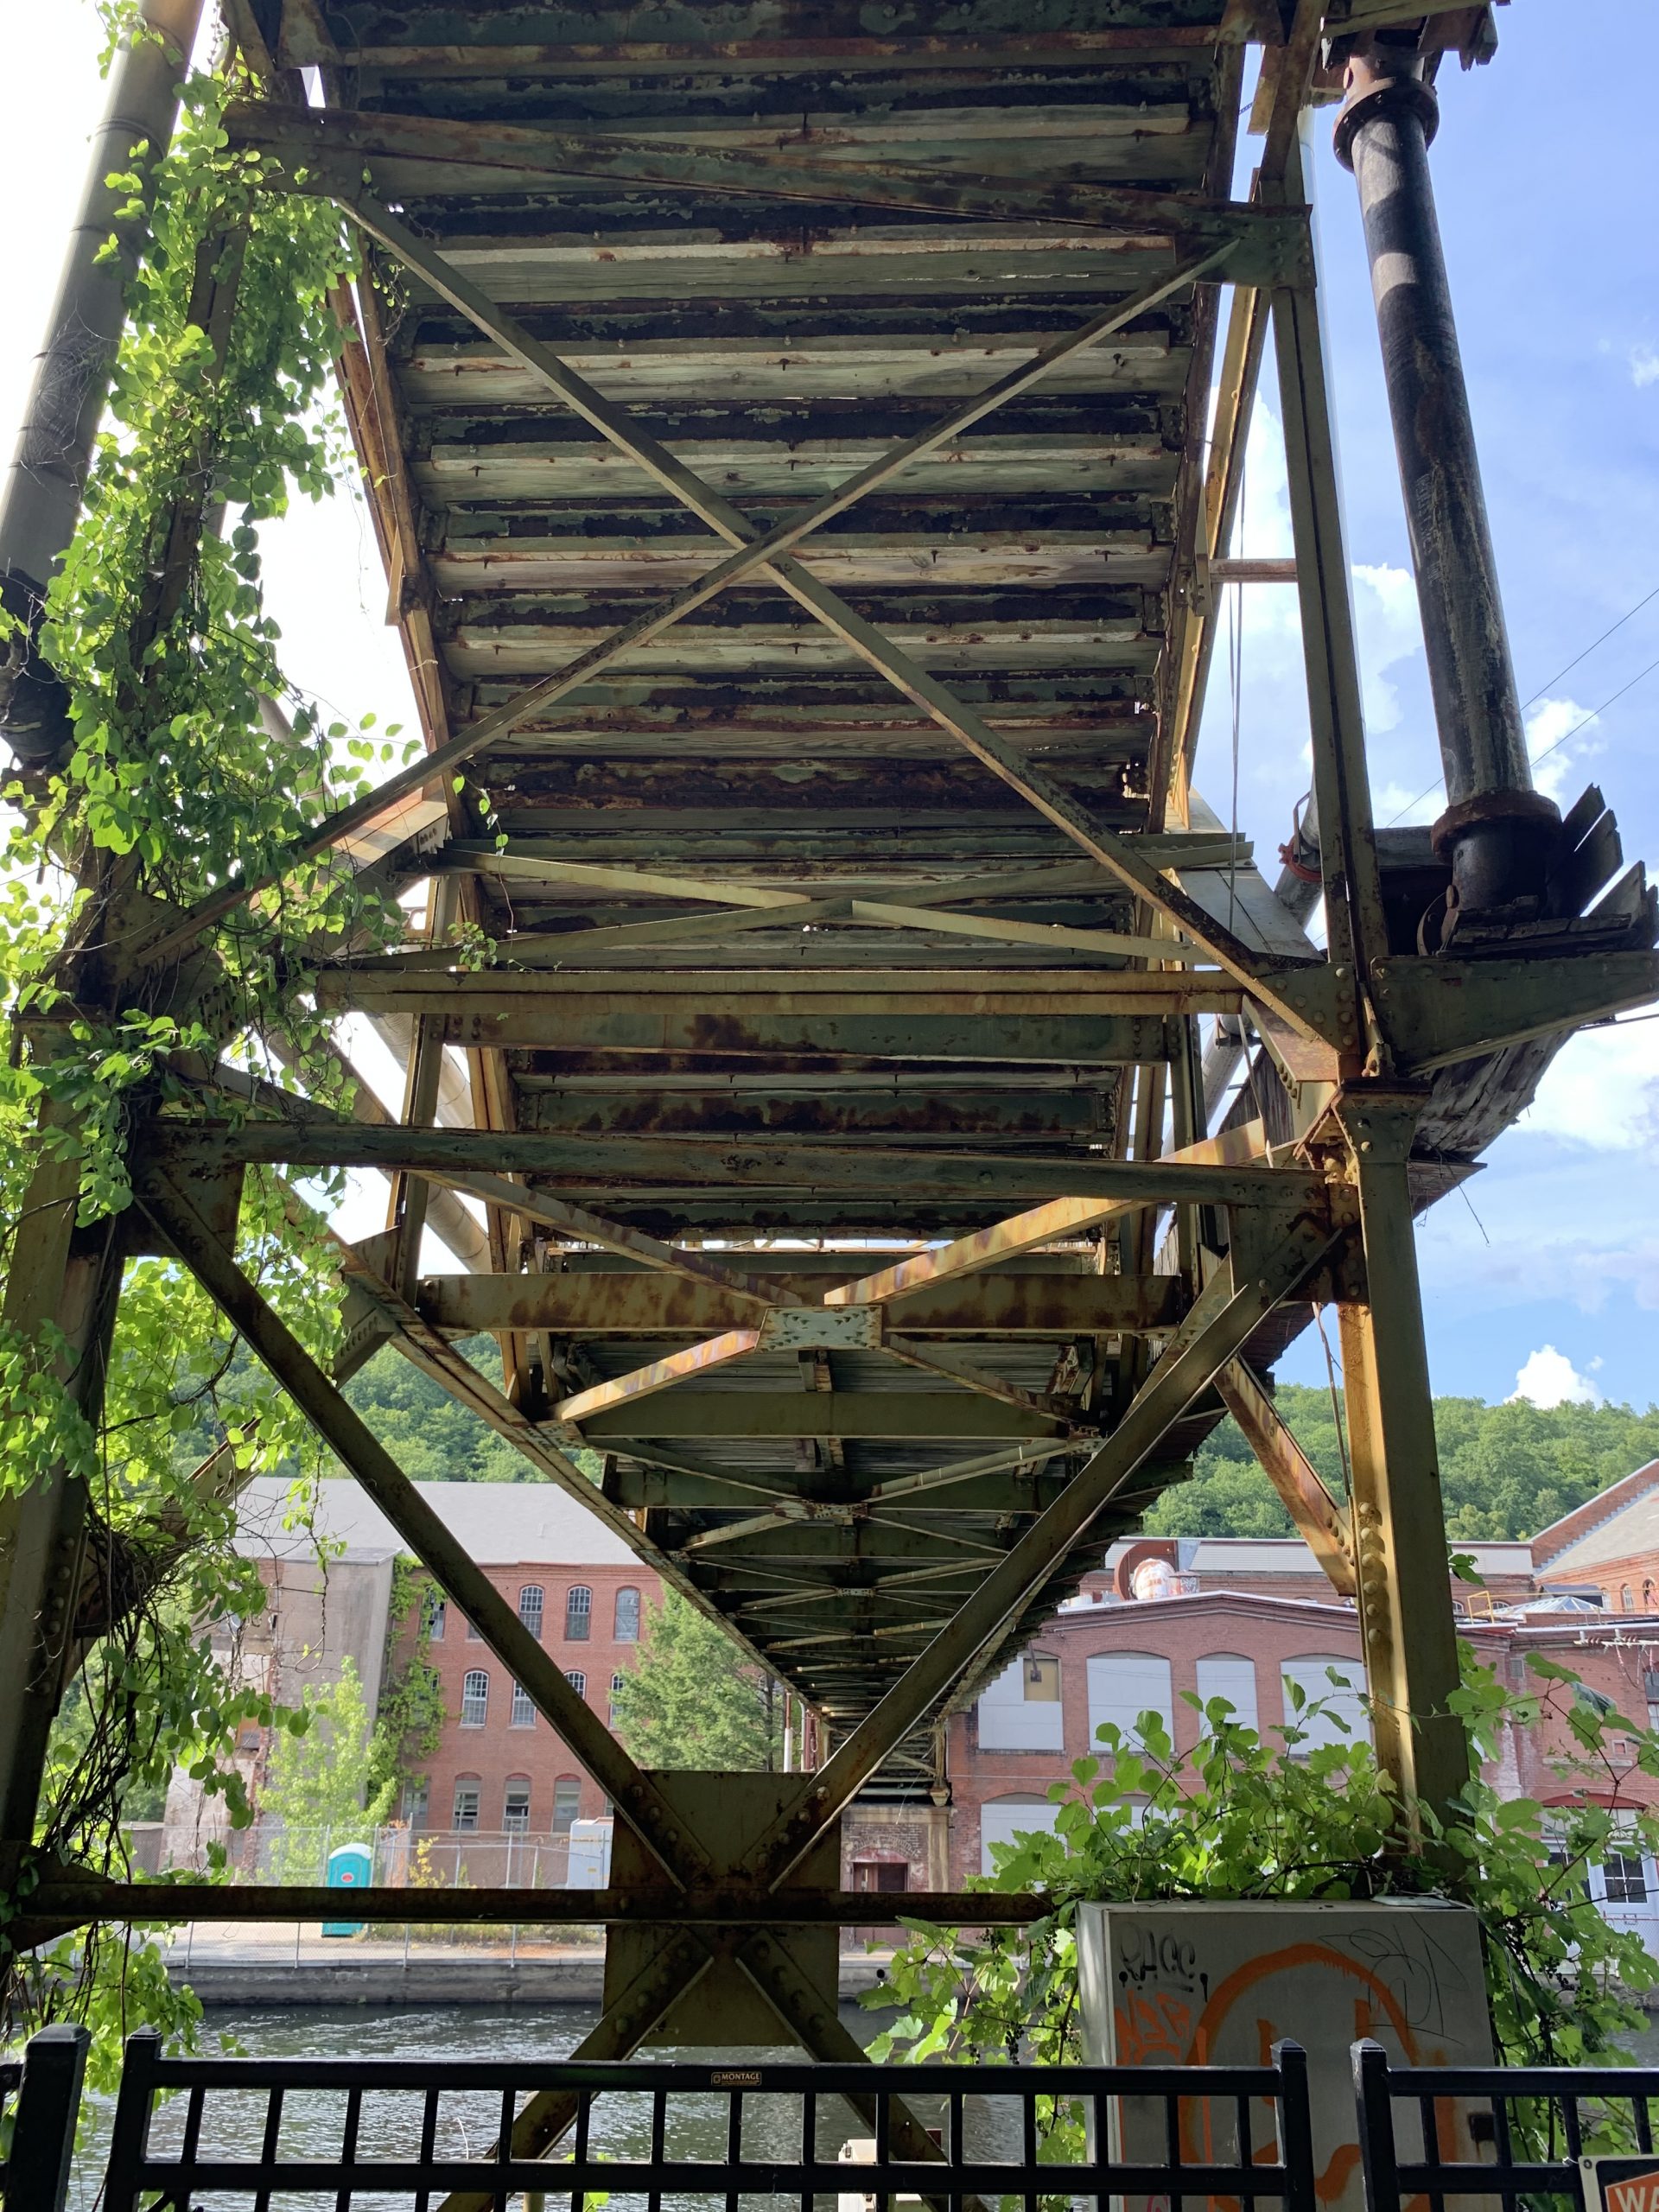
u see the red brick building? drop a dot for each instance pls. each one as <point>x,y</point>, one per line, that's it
<point>498,1769</point>
<point>1164,1621</point>
<point>1168,1622</point>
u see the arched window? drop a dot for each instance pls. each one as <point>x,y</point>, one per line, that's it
<point>532,1603</point>
<point>464,1813</point>
<point>566,1802</point>
<point>434,1613</point>
<point>1647,1597</point>
<point>515,1805</point>
<point>578,1682</point>
<point>1004,1820</point>
<point>524,1712</point>
<point>1625,1599</point>
<point>1122,1685</point>
<point>1224,1674</point>
<point>617,1682</point>
<point>578,1613</point>
<point>474,1699</point>
<point>1020,1710</point>
<point>1345,1718</point>
<point>627,1617</point>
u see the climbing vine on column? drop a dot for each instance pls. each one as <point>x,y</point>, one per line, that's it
<point>192,765</point>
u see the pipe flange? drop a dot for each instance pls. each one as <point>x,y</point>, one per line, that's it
<point>1370,97</point>
<point>1490,806</point>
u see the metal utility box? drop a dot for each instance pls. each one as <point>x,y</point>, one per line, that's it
<point>1195,1984</point>
<point>350,1867</point>
<point>589,1866</point>
<point>726,1812</point>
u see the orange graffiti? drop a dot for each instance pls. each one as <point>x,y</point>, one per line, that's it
<point>1152,2029</point>
<point>1376,1998</point>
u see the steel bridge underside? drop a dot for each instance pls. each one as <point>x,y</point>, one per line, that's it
<point>860,911</point>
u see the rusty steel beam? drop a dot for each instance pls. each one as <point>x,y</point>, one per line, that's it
<point>584,1228</point>
<point>1046,1224</point>
<point>940,1416</point>
<point>203,1147</point>
<point>71,1898</point>
<point>1318,1518</point>
<point>333,145</point>
<point>1050,1307</point>
<point>625,1392</point>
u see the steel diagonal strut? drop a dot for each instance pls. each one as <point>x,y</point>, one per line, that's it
<point>754,554</point>
<point>659,1828</point>
<point>1219,1325</point>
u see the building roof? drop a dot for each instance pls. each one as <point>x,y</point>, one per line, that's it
<point>1619,1524</point>
<point>501,1525</point>
<point>1227,1555</point>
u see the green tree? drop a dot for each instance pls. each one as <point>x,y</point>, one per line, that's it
<point>1244,1817</point>
<point>323,1783</point>
<point>693,1701</point>
<point>1507,1470</point>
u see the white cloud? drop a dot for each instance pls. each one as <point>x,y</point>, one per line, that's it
<point>1387,632</point>
<point>1392,802</point>
<point>1548,722</point>
<point>1645,365</point>
<point>1601,1092</point>
<point>1548,1378</point>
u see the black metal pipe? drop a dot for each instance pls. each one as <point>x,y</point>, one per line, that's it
<point>40,495</point>
<point>1496,830</point>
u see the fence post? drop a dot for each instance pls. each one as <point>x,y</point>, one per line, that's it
<point>1379,2162</point>
<point>131,2129</point>
<point>1294,2119</point>
<point>43,2133</point>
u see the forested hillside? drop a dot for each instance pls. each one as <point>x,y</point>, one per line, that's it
<point>1508,1470</point>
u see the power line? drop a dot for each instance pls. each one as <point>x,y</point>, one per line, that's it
<point>1589,649</point>
<point>1594,713</point>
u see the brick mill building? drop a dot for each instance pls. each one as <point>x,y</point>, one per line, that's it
<point>498,1769</point>
<point>1164,1619</point>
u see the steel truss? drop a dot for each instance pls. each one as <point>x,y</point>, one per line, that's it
<point>732,1033</point>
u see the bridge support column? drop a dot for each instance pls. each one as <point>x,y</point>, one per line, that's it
<point>1398,1516</point>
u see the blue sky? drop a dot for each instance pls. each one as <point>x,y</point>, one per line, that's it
<point>1543,169</point>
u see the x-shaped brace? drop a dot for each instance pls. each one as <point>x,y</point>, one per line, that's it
<point>1302,994</point>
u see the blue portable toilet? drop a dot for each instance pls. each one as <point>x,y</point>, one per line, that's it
<point>349,1868</point>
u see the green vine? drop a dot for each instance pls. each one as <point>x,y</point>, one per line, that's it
<point>409,1726</point>
<point>179,780</point>
<point>1243,1818</point>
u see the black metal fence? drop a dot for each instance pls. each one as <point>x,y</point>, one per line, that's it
<point>191,2135</point>
<point>40,2103</point>
<point>766,2134</point>
<point>1528,2136</point>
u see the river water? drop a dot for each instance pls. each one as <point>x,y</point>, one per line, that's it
<point>232,2121</point>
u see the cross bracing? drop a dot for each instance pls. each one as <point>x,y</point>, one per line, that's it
<point>788,447</point>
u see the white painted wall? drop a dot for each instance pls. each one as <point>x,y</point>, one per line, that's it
<point>1122,1685</point>
<point>1004,1818</point>
<point>1224,1673</point>
<point>1344,1699</point>
<point>1009,1722</point>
